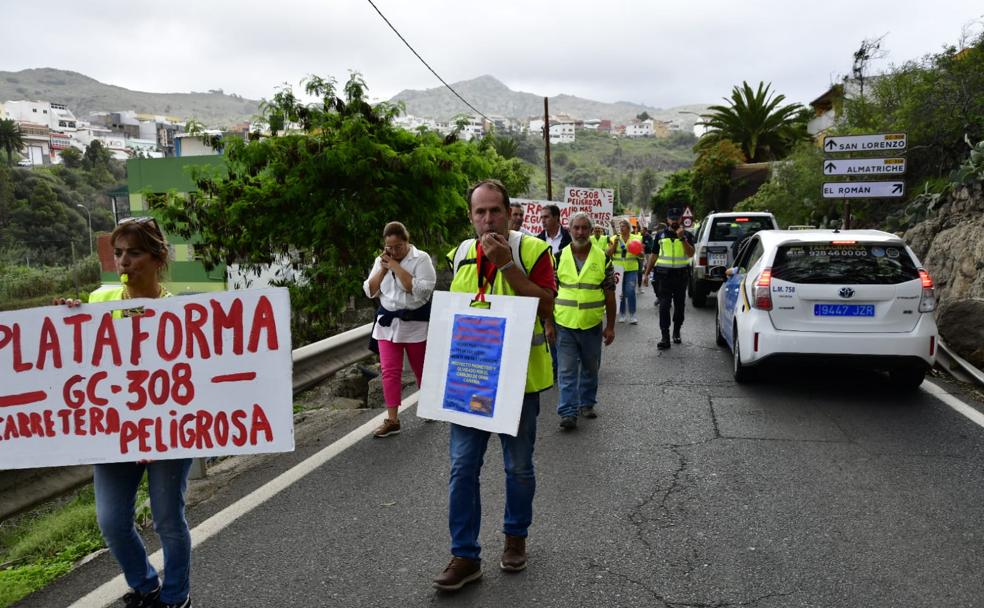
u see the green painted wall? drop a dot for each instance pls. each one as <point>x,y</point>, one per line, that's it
<point>167,175</point>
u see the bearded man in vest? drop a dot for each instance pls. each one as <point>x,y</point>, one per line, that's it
<point>502,262</point>
<point>672,251</point>
<point>585,295</point>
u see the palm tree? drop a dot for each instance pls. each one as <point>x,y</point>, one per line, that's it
<point>756,122</point>
<point>10,138</point>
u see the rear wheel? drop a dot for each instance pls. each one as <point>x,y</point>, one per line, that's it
<point>742,372</point>
<point>906,379</point>
<point>699,297</point>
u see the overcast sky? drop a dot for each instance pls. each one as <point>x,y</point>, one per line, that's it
<point>659,52</point>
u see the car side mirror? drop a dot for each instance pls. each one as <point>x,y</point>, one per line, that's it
<point>729,272</point>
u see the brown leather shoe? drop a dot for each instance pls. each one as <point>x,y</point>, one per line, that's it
<point>514,554</point>
<point>387,428</point>
<point>460,572</point>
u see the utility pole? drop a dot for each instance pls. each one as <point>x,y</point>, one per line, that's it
<point>75,269</point>
<point>546,142</point>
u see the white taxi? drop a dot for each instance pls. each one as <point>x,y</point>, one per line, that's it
<point>857,296</point>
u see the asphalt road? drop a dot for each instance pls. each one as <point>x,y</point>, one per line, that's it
<point>813,488</point>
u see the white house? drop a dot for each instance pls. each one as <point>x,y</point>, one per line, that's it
<point>55,116</point>
<point>643,128</point>
<point>561,129</point>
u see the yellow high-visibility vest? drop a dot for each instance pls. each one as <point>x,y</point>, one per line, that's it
<point>622,257</point>
<point>672,254</point>
<point>580,302</point>
<point>527,250</point>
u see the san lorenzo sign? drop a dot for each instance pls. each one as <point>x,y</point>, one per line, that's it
<point>882,142</point>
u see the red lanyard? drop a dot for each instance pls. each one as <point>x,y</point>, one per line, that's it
<point>480,297</point>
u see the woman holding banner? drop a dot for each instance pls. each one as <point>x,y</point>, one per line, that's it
<point>141,255</point>
<point>403,279</point>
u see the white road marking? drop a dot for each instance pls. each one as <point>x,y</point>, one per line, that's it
<point>113,590</point>
<point>961,407</point>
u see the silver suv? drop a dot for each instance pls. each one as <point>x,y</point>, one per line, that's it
<point>718,240</point>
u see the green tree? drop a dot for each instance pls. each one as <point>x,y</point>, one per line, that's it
<point>71,157</point>
<point>320,195</point>
<point>711,179</point>
<point>11,138</point>
<point>648,181</point>
<point>96,156</point>
<point>643,116</point>
<point>676,192</point>
<point>792,193</point>
<point>756,121</point>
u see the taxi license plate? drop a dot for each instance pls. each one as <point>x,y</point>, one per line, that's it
<point>844,310</point>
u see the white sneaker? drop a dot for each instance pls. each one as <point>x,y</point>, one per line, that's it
<point>634,320</point>
<point>621,318</point>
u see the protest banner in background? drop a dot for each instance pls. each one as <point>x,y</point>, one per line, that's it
<point>475,368</point>
<point>203,375</point>
<point>599,203</point>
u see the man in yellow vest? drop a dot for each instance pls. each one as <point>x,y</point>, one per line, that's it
<point>585,295</point>
<point>599,238</point>
<point>630,263</point>
<point>672,251</point>
<point>500,262</point>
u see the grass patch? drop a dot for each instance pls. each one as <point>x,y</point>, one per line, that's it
<point>38,547</point>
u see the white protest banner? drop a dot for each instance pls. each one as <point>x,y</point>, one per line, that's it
<point>619,278</point>
<point>599,203</point>
<point>531,213</point>
<point>203,375</point>
<point>475,369</point>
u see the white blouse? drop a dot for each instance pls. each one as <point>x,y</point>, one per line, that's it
<point>392,296</point>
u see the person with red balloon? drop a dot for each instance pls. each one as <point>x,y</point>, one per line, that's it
<point>626,251</point>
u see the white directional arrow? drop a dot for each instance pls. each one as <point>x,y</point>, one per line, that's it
<point>863,189</point>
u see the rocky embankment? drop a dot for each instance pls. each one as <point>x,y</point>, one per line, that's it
<point>951,245</point>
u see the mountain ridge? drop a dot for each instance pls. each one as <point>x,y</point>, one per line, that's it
<point>84,94</point>
<point>494,97</point>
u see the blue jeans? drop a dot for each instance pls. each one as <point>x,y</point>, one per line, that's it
<point>629,280</point>
<point>116,492</point>
<point>579,351</point>
<point>465,498</point>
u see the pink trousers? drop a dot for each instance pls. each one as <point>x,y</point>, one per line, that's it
<point>391,362</point>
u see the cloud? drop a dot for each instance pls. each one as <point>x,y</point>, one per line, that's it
<point>661,53</point>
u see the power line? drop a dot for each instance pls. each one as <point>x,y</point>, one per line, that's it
<point>450,88</point>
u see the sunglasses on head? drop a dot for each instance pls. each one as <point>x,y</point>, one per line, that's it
<point>140,221</point>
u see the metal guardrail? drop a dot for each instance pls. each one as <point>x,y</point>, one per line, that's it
<point>957,366</point>
<point>21,489</point>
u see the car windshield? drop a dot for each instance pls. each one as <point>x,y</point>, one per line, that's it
<point>874,264</point>
<point>737,228</point>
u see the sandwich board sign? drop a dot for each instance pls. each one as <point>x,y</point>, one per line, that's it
<point>863,189</point>
<point>880,142</point>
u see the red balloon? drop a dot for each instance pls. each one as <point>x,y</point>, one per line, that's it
<point>634,247</point>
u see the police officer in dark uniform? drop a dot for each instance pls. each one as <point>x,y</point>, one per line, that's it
<point>672,250</point>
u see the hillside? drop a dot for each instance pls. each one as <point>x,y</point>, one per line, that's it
<point>493,97</point>
<point>84,95</point>
<point>634,167</point>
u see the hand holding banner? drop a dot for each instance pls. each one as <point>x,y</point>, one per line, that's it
<point>201,375</point>
<point>475,369</point>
